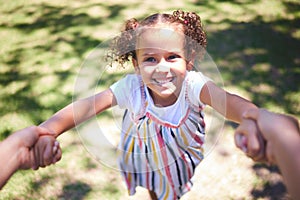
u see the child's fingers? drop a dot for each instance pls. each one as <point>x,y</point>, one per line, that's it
<point>57,156</point>
<point>253,145</point>
<point>55,147</point>
<point>56,152</point>
<point>48,154</point>
<point>256,147</point>
<point>252,142</point>
<point>241,141</point>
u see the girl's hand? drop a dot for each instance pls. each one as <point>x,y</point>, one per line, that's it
<point>249,140</point>
<point>45,152</point>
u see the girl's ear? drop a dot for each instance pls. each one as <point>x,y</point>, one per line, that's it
<point>190,62</point>
<point>190,65</point>
<point>136,66</point>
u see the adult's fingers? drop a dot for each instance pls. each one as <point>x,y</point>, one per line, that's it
<point>251,114</point>
<point>43,131</point>
<point>269,154</point>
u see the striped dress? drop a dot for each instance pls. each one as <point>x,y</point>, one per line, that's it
<point>160,147</point>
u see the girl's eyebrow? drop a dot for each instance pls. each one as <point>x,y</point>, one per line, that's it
<point>147,54</point>
<point>153,53</point>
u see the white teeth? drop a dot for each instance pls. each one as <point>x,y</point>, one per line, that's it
<point>163,81</point>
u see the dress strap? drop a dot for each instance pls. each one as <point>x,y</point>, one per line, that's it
<point>142,110</point>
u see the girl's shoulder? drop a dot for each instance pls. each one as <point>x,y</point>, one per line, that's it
<point>132,80</point>
<point>128,82</point>
<point>194,84</point>
<point>127,90</point>
<point>197,77</point>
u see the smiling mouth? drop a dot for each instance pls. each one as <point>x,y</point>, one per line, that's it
<point>163,81</point>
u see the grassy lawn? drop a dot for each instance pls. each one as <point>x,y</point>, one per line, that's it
<point>255,44</point>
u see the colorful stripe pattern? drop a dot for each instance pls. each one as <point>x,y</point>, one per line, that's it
<point>160,157</point>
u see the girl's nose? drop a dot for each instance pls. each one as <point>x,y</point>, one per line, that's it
<point>162,67</point>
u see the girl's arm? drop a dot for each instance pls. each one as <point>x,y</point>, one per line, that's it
<point>79,111</point>
<point>233,107</point>
<point>229,105</point>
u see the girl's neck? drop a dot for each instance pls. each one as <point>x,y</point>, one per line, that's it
<point>162,102</point>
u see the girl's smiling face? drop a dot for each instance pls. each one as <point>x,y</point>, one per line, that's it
<point>160,60</point>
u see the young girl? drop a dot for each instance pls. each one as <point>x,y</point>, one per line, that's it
<point>163,125</point>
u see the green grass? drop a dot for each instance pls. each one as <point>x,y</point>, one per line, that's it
<point>255,45</point>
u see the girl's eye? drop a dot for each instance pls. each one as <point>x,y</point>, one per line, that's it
<point>171,57</point>
<point>150,59</point>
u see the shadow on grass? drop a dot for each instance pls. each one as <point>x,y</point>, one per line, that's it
<point>76,190</point>
<point>272,187</point>
<point>261,60</point>
<point>66,26</point>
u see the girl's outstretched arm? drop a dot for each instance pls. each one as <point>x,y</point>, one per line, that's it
<point>79,111</point>
<point>229,105</point>
<point>233,107</point>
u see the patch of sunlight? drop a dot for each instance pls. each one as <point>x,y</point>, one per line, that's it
<point>228,11</point>
<point>137,13</point>
<point>68,64</point>
<point>60,3</point>
<point>269,10</point>
<point>239,91</point>
<point>163,5</point>
<point>9,38</point>
<point>49,99</point>
<point>45,83</point>
<point>294,99</point>
<point>263,88</point>
<point>274,107</point>
<point>217,27</point>
<point>64,47</point>
<point>68,88</point>
<point>261,67</point>
<point>4,68</point>
<point>14,87</point>
<point>297,62</point>
<point>7,6</point>
<point>296,34</point>
<point>98,12</point>
<point>14,121</point>
<point>255,51</point>
<point>282,29</point>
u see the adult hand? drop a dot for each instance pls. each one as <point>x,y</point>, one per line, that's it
<point>25,141</point>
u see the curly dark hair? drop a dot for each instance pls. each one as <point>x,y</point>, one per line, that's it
<point>123,47</point>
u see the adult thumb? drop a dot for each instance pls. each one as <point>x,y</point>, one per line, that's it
<point>41,131</point>
<point>251,114</point>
